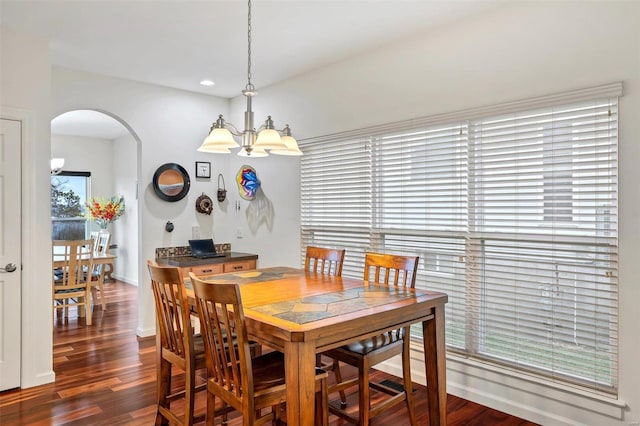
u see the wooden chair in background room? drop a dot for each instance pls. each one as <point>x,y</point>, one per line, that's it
<point>71,283</point>
<point>327,261</point>
<point>324,260</point>
<point>176,345</point>
<point>248,385</point>
<point>100,247</point>
<point>387,270</point>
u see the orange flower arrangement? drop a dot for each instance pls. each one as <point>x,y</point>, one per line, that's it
<point>103,211</point>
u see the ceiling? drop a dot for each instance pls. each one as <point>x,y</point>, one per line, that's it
<point>178,43</point>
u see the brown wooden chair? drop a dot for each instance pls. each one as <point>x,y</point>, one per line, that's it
<point>248,385</point>
<point>176,346</point>
<point>324,260</point>
<point>71,283</point>
<point>387,270</point>
<point>327,261</point>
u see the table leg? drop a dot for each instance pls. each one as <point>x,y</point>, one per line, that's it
<point>300,364</point>
<point>435,366</point>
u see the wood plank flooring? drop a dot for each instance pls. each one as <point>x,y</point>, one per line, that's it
<point>106,376</point>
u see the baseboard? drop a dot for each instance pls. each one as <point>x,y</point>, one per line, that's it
<point>522,397</point>
<point>145,332</point>
<point>125,280</point>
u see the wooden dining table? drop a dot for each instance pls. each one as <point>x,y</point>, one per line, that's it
<point>98,259</point>
<point>303,313</point>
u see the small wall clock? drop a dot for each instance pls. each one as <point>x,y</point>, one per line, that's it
<point>203,169</point>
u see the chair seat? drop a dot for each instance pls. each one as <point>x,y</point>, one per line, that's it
<point>371,344</point>
<point>268,370</point>
<point>69,290</point>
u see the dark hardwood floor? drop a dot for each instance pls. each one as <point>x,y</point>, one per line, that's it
<point>106,376</point>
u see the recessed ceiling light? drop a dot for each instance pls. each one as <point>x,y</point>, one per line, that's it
<point>207,83</point>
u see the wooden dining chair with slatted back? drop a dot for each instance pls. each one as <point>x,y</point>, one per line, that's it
<point>327,261</point>
<point>100,247</point>
<point>71,284</point>
<point>324,260</point>
<point>384,270</point>
<point>248,385</point>
<point>176,346</point>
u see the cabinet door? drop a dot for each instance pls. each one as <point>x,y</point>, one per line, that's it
<point>207,269</point>
<point>239,266</point>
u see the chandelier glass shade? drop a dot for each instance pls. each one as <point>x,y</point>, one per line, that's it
<point>255,143</point>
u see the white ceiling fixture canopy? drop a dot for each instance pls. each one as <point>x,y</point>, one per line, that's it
<point>254,142</point>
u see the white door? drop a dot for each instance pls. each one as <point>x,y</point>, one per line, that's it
<point>10,253</point>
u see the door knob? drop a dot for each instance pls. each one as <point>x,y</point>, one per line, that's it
<point>9,267</point>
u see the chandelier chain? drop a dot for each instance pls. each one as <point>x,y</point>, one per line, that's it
<point>249,85</point>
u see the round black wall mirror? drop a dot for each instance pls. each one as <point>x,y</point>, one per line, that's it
<point>171,182</point>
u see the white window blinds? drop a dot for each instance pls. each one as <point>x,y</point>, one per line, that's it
<point>513,215</point>
<point>542,247</point>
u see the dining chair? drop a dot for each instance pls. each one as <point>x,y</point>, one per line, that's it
<point>176,346</point>
<point>327,261</point>
<point>248,385</point>
<point>71,284</point>
<point>324,260</point>
<point>100,247</point>
<point>385,270</point>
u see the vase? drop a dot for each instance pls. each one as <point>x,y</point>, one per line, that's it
<point>103,225</point>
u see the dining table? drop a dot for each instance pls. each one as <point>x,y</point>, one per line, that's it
<point>98,259</point>
<point>302,313</point>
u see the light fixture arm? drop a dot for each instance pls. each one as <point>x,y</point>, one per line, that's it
<point>221,123</point>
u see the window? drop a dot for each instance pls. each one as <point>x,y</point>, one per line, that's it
<point>69,191</point>
<point>513,215</point>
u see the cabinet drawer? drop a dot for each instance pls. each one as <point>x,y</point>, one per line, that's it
<point>239,266</point>
<point>207,269</point>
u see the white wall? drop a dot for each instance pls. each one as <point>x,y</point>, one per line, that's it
<point>519,51</point>
<point>25,78</point>
<point>124,177</point>
<point>84,154</point>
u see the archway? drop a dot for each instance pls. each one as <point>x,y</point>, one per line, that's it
<point>103,146</point>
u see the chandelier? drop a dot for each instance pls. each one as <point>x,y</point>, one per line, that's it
<point>254,142</point>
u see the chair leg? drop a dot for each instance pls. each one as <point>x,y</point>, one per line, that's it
<point>211,409</point>
<point>87,305</point>
<point>338,373</point>
<point>408,384</point>
<point>189,394</point>
<point>163,388</point>
<point>101,288</point>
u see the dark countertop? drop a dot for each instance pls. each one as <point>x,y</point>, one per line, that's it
<point>187,261</point>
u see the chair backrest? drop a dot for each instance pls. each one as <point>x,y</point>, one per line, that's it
<point>390,268</point>
<point>102,240</point>
<point>172,310</point>
<point>324,260</point>
<point>220,310</point>
<point>74,258</point>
